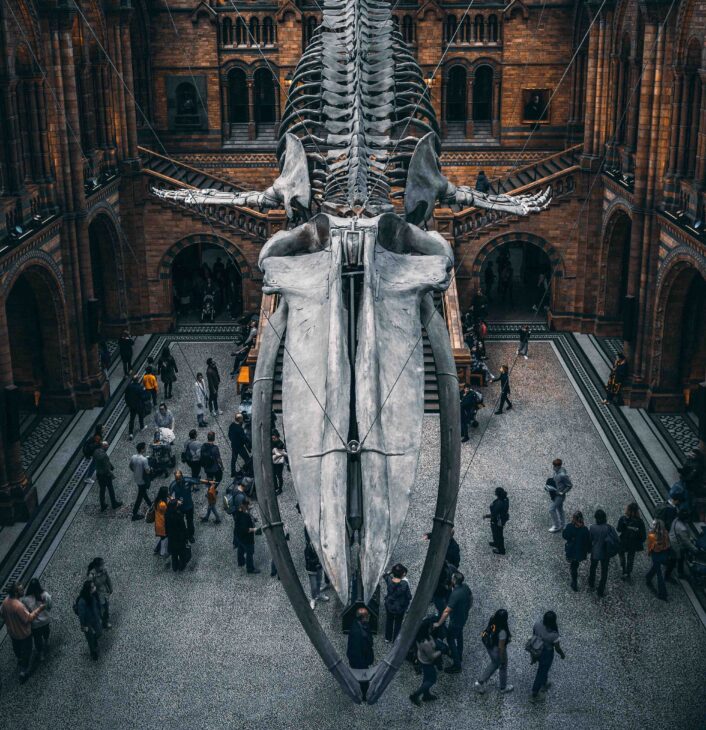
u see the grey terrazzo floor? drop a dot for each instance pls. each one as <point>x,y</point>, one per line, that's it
<point>213,648</point>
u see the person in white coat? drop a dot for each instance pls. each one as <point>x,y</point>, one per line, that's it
<point>201,399</point>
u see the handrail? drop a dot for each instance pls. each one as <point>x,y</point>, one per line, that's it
<point>516,171</point>
<point>196,170</point>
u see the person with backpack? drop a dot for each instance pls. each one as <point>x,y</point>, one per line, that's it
<point>140,468</point>
<point>542,645</point>
<point>429,651</point>
<point>499,515</point>
<point>682,544</point>
<point>314,570</point>
<point>495,639</point>
<point>632,533</point>
<point>97,573</point>
<point>577,547</point>
<point>558,486</point>
<point>191,455</point>
<point>659,549</point>
<point>397,600</point>
<point>87,608</point>
<point>211,497</point>
<point>605,544</point>
<point>211,459</point>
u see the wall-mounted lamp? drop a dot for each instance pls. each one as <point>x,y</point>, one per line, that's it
<point>288,79</point>
<point>429,80</point>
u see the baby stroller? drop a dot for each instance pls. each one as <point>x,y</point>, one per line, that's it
<point>208,308</point>
<point>161,459</point>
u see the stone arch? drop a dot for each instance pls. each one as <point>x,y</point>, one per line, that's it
<point>614,263</point>
<point>554,256</point>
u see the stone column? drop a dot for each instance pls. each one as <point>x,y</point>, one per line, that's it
<point>588,150</point>
<point>683,126</point>
<point>252,129</point>
<point>670,183</point>
<point>469,105</point>
<point>689,161</point>
<point>601,78</point>
<point>495,126</point>
<point>15,173</point>
<point>700,172</point>
<point>126,70</point>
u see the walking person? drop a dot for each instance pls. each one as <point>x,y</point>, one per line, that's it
<point>315,572</point>
<point>681,543</point>
<point>504,379</point>
<point>457,610</point>
<point>182,489</point>
<point>34,597</point>
<point>240,445</point>
<point>104,475</point>
<point>633,533</point>
<point>214,380</point>
<point>495,639</point>
<point>279,460</point>
<point>659,549</point>
<point>211,498</point>
<point>605,544</point>
<point>87,607</point>
<point>577,547</point>
<point>524,341</point>
<point>546,631</point>
<point>135,402</point>
<point>245,527</point>
<point>149,381</point>
<point>558,486</point>
<point>211,459</point>
<point>160,528</point>
<point>140,468</point>
<point>200,399</point>
<point>177,536</point>
<point>191,455</point>
<point>18,623</point>
<point>125,348</point>
<point>167,369</point>
<point>397,600</point>
<point>429,651</point>
<point>616,380</point>
<point>98,575</point>
<point>499,515</point>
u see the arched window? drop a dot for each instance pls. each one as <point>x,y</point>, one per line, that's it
<point>493,28</point>
<point>268,32</point>
<point>478,29</point>
<point>451,25</point>
<point>265,111</point>
<point>622,90</point>
<point>465,35</point>
<point>483,94</point>
<point>456,95</point>
<point>692,107</point>
<point>187,106</point>
<point>241,33</point>
<point>237,96</point>
<point>408,29</point>
<point>227,32</point>
<point>309,30</point>
<point>254,31</point>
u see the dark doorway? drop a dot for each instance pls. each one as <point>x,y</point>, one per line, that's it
<point>265,109</point>
<point>483,94</point>
<point>456,95</point>
<point>104,274</point>
<point>237,97</point>
<point>616,269</point>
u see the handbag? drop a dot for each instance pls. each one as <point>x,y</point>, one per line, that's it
<point>184,457</point>
<point>534,645</point>
<point>149,515</point>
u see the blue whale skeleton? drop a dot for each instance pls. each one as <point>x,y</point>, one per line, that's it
<point>355,279</point>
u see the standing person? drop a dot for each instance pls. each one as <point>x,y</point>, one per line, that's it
<point>682,544</point>
<point>360,641</point>
<point>34,597</point>
<point>524,340</point>
<point>470,403</point>
<point>177,535</point>
<point>167,369</point>
<point>18,622</point>
<point>504,379</point>
<point>547,630</point>
<point>397,600</point>
<point>135,402</point>
<point>658,548</point>
<point>163,417</point>
<point>160,528</point>
<point>181,489</point>
<point>149,381</point>
<point>616,380</point>
<point>605,544</point>
<point>495,638</point>
<point>632,533</point>
<point>558,486</point>
<point>104,475</point>
<point>239,443</point>
<point>211,498</point>
<point>239,497</point>
<point>315,572</point>
<point>499,515</point>
<point>214,380</point>
<point>125,347</point>
<point>211,459</point>
<point>200,399</point>
<point>457,610</point>
<point>98,575</point>
<point>87,607</point>
<point>577,547</point>
<point>429,652</point>
<point>191,455</point>
<point>140,468</point>
<point>245,527</point>
<point>279,460</point>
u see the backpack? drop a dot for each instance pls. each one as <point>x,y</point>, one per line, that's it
<point>667,513</point>
<point>535,646</point>
<point>207,460</point>
<point>489,636</point>
<point>612,544</point>
<point>88,448</point>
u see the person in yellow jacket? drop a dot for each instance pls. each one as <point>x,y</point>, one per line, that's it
<point>149,380</point>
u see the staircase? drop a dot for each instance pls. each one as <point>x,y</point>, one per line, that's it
<point>167,173</point>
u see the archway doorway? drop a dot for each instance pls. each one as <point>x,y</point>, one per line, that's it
<point>516,277</point>
<point>202,271</point>
<point>684,339</point>
<point>237,98</point>
<point>483,94</point>
<point>34,335</point>
<point>617,266</point>
<point>456,95</point>
<point>265,101</point>
<point>103,243</point>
